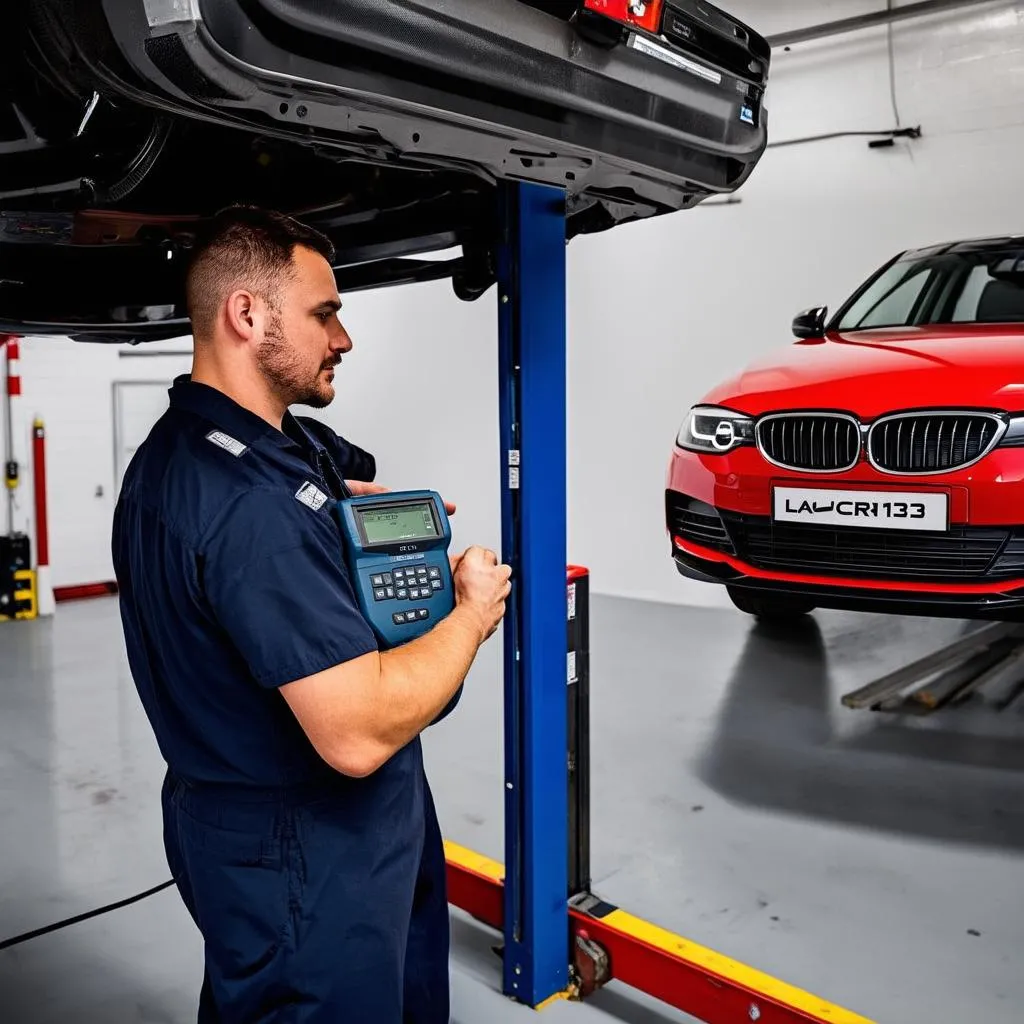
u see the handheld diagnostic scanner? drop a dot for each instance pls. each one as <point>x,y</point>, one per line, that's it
<point>396,546</point>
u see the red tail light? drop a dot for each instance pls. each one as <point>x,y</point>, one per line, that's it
<point>645,14</point>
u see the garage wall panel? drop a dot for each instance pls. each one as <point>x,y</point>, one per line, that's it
<point>71,386</point>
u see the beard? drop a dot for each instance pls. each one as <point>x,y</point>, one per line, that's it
<point>289,377</point>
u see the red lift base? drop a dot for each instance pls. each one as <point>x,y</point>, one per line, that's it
<point>680,973</point>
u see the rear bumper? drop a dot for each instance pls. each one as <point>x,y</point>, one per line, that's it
<point>493,84</point>
<point>443,101</point>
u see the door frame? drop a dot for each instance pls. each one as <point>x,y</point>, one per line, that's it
<point>117,390</point>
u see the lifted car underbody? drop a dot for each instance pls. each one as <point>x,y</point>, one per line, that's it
<point>388,124</point>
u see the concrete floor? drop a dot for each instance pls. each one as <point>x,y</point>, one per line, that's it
<point>875,861</point>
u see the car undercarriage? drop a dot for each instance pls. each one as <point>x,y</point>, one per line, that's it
<point>122,124</point>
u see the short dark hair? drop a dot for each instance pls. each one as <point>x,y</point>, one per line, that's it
<point>243,247</point>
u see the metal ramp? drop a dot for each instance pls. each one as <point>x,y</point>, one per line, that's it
<point>988,665</point>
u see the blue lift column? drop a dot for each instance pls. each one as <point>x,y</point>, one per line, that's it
<point>532,401</point>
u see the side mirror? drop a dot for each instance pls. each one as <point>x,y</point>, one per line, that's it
<point>811,323</point>
<point>1009,269</point>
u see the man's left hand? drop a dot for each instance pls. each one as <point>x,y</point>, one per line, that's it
<point>363,487</point>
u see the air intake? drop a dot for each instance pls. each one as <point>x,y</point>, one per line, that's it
<point>811,442</point>
<point>932,442</point>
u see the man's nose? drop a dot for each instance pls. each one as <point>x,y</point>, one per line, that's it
<point>340,340</point>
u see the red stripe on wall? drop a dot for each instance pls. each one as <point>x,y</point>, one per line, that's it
<point>78,591</point>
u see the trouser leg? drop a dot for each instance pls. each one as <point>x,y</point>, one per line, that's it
<point>427,988</point>
<point>172,848</point>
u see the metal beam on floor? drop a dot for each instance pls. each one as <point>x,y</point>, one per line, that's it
<point>682,974</point>
<point>949,675</point>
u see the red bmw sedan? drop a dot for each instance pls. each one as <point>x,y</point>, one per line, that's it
<point>877,464</point>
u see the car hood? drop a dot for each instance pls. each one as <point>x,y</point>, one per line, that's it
<point>873,372</point>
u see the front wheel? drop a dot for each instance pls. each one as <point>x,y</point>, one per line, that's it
<point>770,607</point>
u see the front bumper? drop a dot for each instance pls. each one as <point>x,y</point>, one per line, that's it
<point>1000,603</point>
<point>718,516</point>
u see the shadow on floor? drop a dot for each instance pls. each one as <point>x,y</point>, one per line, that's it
<point>955,775</point>
<point>86,981</point>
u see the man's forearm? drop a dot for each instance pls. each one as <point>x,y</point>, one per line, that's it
<point>421,677</point>
<point>360,713</point>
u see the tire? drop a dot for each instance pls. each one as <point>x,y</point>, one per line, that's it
<point>770,607</point>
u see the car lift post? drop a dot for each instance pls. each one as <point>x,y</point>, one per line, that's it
<point>560,939</point>
<point>532,403</point>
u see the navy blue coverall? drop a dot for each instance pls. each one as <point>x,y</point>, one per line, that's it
<point>321,898</point>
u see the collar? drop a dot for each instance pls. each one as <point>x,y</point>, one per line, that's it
<point>236,420</point>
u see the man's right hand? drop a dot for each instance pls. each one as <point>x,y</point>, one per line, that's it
<point>481,587</point>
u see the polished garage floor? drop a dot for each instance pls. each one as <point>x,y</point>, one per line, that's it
<point>876,861</point>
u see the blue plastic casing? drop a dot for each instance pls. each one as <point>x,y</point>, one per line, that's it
<point>402,576</point>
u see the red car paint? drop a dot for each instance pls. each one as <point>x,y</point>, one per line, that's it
<point>626,11</point>
<point>867,373</point>
<point>875,372</point>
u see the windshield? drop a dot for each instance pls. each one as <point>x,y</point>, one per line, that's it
<point>982,287</point>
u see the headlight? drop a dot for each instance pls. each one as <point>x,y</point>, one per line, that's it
<point>714,430</point>
<point>1014,436</point>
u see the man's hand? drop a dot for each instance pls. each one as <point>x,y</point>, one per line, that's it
<point>481,587</point>
<point>363,487</point>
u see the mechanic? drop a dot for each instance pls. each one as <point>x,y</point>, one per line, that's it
<point>298,822</point>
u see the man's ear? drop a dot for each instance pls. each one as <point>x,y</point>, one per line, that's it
<point>242,314</point>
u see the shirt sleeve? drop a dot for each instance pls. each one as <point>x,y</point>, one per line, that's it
<point>274,574</point>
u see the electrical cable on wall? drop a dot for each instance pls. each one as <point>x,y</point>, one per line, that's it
<point>883,138</point>
<point>892,70</point>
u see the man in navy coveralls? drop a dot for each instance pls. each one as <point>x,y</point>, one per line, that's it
<point>298,822</point>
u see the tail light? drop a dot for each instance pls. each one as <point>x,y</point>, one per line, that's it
<point>643,14</point>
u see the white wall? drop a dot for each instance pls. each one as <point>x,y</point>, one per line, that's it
<point>70,386</point>
<point>706,291</point>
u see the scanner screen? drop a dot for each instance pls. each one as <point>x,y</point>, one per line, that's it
<point>393,524</point>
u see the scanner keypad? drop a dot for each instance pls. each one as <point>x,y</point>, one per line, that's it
<point>412,615</point>
<point>412,584</point>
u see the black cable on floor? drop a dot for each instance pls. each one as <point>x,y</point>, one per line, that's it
<point>17,939</point>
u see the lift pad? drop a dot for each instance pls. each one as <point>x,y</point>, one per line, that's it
<point>680,973</point>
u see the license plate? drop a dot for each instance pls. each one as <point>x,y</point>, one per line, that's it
<point>886,510</point>
<point>652,49</point>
